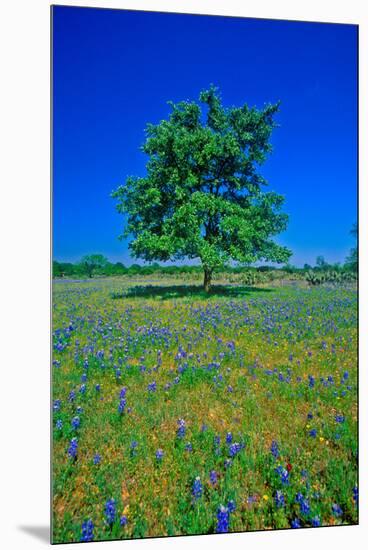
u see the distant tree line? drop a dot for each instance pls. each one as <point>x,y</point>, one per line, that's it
<point>97,265</point>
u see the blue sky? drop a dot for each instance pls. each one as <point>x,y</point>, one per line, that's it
<point>115,70</point>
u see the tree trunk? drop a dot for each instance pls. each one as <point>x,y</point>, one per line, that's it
<point>207,280</point>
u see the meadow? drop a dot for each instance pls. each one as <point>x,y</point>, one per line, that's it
<point>178,413</point>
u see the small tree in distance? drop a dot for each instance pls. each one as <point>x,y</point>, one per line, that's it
<point>351,261</point>
<point>202,196</point>
<point>91,262</point>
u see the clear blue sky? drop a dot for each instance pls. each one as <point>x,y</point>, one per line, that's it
<point>115,70</point>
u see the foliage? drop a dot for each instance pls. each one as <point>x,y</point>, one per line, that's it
<point>91,263</point>
<point>351,261</point>
<point>202,196</point>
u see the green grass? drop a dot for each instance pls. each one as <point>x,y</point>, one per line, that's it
<point>239,361</point>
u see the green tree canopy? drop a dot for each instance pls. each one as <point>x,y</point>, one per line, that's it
<point>92,262</point>
<point>351,261</point>
<point>202,196</point>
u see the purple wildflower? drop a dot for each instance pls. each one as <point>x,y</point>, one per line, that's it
<point>213,477</point>
<point>87,531</point>
<point>73,448</point>
<point>110,511</point>
<point>223,520</point>
<point>181,428</point>
<point>75,422</point>
<point>231,506</point>
<point>197,488</point>
<point>59,424</point>
<point>123,521</point>
<point>316,522</point>
<point>275,449</point>
<point>152,387</point>
<point>336,510</point>
<point>279,499</point>
<point>159,454</point>
<point>122,405</point>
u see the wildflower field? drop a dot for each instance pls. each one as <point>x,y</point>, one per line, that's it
<point>178,413</point>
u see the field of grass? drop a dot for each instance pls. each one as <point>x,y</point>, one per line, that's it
<point>177,413</point>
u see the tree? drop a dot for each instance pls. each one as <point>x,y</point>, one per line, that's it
<point>91,262</point>
<point>351,261</point>
<point>321,262</point>
<point>202,196</point>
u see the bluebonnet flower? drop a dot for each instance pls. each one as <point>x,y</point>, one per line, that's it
<point>336,510</point>
<point>110,511</point>
<point>295,523</point>
<point>313,433</point>
<point>159,454</point>
<point>197,488</point>
<point>228,462</point>
<point>123,521</point>
<point>71,396</point>
<point>59,424</point>
<point>304,506</point>
<point>87,531</point>
<point>97,459</point>
<point>84,377</point>
<point>275,449</point>
<point>311,381</point>
<point>213,477</point>
<point>57,405</point>
<point>188,447</point>
<point>83,389</point>
<point>97,387</point>
<point>309,416</point>
<point>345,375</point>
<point>204,428</point>
<point>299,497</point>
<point>223,520</point>
<point>340,418</point>
<point>231,506</point>
<point>152,387</point>
<point>73,448</point>
<point>229,438</point>
<point>234,449</point>
<point>283,473</point>
<point>79,410</point>
<point>133,448</point>
<point>122,406</point>
<point>122,392</point>
<point>355,494</point>
<point>75,422</point>
<point>279,499</point>
<point>316,522</point>
<point>181,428</point>
<point>230,389</point>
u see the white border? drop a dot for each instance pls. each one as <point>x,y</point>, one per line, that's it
<point>25,219</point>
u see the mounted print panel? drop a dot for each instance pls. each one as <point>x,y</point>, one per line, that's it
<point>204,320</point>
